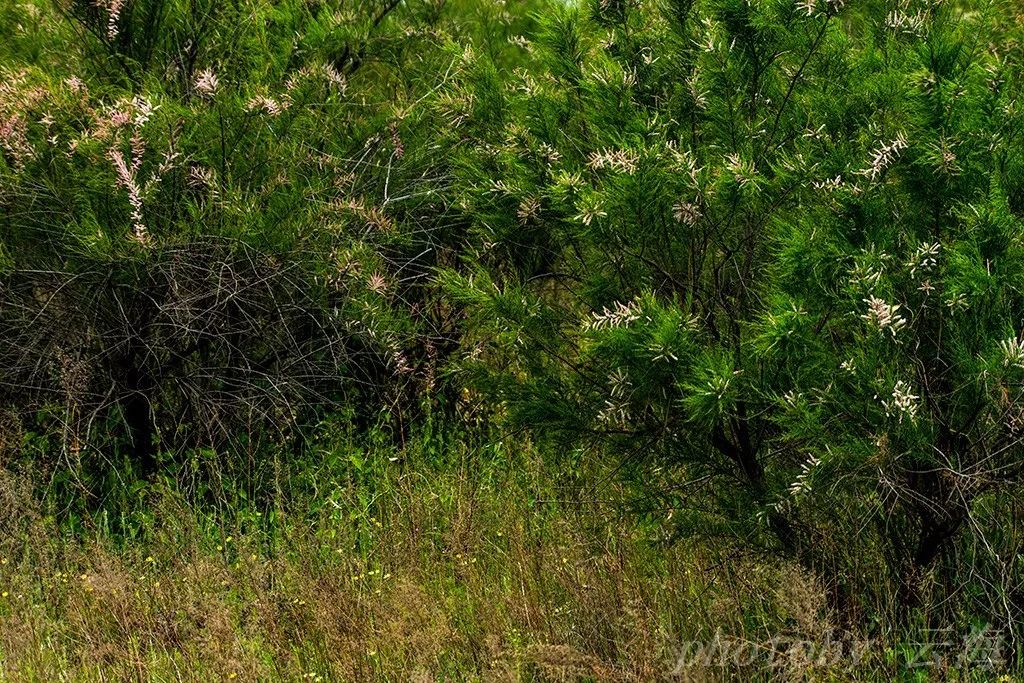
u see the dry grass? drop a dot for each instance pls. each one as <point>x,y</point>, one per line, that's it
<point>444,577</point>
<point>447,575</point>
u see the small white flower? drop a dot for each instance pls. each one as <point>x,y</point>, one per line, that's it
<point>334,77</point>
<point>883,315</point>
<point>144,110</point>
<point>619,315</point>
<point>113,9</point>
<point>925,258</point>
<point>883,157</point>
<point>807,7</point>
<point>662,353</point>
<point>899,21</point>
<point>267,105</point>
<point>903,403</point>
<point>589,211</point>
<point>206,83</point>
<point>126,179</point>
<point>699,94</point>
<point>619,383</point>
<point>377,284</point>
<point>829,184</point>
<point>1013,352</point>
<point>743,171</point>
<point>957,302</point>
<point>865,276</point>
<point>616,408</point>
<point>621,160</point>
<point>521,41</point>
<point>528,208</point>
<point>802,484</point>
<point>686,213</point>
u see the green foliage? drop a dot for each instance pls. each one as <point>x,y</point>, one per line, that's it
<point>759,260</point>
<point>220,218</point>
<point>776,256</point>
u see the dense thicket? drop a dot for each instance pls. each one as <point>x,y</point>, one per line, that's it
<point>763,256</point>
<point>220,218</point>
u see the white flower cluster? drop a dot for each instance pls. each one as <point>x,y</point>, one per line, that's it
<point>267,105</point>
<point>127,179</point>
<point>829,184</point>
<point>925,258</point>
<point>697,92</point>
<point>618,315</point>
<point>621,160</point>
<point>802,483</point>
<point>883,157</point>
<point>521,41</point>
<point>548,153</point>
<point>590,209</point>
<point>883,315</point>
<point>206,83</point>
<point>616,408</point>
<point>957,303</point>
<point>865,276</point>
<point>903,403</point>
<point>113,8</point>
<point>202,177</point>
<point>682,160</point>
<point>811,7</point>
<point>743,171</point>
<point>377,284</point>
<point>1013,352</point>
<point>687,213</point>
<point>899,21</point>
<point>719,386</point>
<point>528,208</point>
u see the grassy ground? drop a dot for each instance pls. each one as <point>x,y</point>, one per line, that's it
<point>469,565</point>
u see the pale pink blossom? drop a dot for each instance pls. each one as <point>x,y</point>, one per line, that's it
<point>113,8</point>
<point>267,105</point>
<point>126,179</point>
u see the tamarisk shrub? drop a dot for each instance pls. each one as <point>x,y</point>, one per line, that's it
<point>217,221</point>
<point>768,255</point>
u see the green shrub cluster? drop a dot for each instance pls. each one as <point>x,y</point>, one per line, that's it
<point>768,254</point>
<point>220,219</point>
